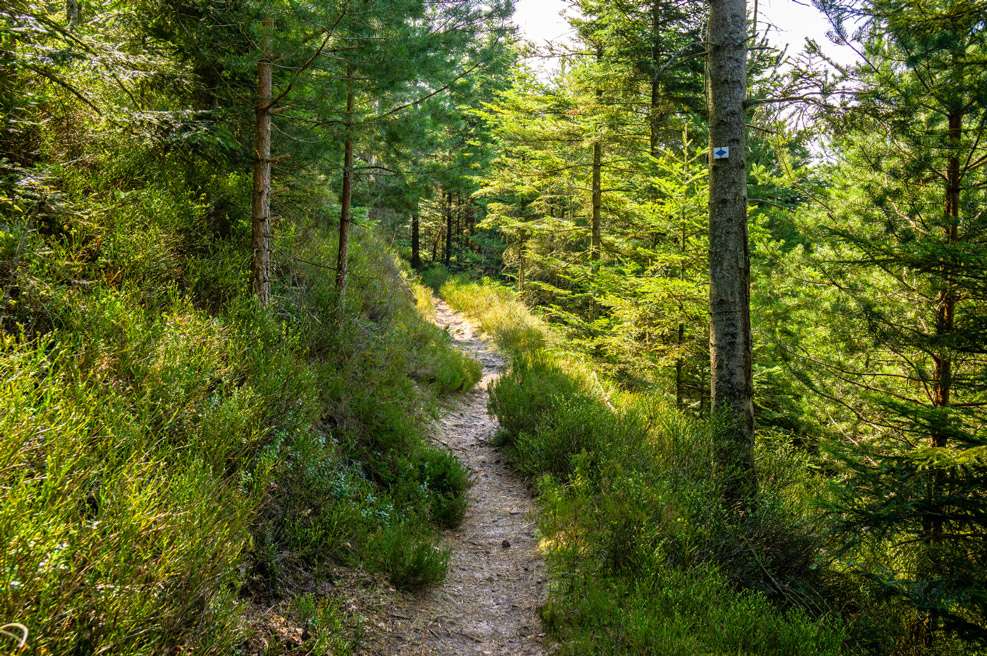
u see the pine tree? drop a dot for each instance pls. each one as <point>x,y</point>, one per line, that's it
<point>400,55</point>
<point>907,241</point>
<point>731,358</point>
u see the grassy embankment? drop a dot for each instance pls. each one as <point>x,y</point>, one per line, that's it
<point>643,559</point>
<point>171,453</point>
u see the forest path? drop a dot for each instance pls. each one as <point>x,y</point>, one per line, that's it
<point>488,603</point>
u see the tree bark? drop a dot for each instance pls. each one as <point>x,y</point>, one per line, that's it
<point>520,262</point>
<point>595,239</point>
<point>459,223</point>
<point>680,360</point>
<point>946,301</point>
<point>448,228</point>
<point>261,205</point>
<point>346,197</point>
<point>654,117</point>
<point>73,13</point>
<point>416,260</point>
<point>595,236</point>
<point>942,362</point>
<point>732,393</point>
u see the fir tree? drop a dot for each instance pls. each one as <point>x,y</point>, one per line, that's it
<point>907,241</point>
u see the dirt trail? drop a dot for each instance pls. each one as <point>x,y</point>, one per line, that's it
<point>488,603</point>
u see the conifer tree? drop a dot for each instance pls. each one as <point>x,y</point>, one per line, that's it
<point>400,55</point>
<point>731,358</point>
<point>906,239</point>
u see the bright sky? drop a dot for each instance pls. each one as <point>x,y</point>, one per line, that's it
<point>540,21</point>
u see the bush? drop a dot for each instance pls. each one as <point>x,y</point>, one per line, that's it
<point>531,390</point>
<point>410,560</point>
<point>327,626</point>
<point>435,276</point>
<point>448,482</point>
<point>680,614</point>
<point>499,313</point>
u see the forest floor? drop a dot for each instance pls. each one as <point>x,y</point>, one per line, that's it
<point>489,601</point>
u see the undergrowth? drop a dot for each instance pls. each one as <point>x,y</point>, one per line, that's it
<point>643,558</point>
<point>170,451</point>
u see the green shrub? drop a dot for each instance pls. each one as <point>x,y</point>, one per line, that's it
<point>95,500</point>
<point>409,559</point>
<point>455,372</point>
<point>499,313</point>
<point>448,482</point>
<point>529,392</point>
<point>169,447</point>
<point>680,614</point>
<point>328,627</point>
<point>435,276</point>
<point>576,426</point>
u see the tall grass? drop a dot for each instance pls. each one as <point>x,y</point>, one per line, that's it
<point>499,312</point>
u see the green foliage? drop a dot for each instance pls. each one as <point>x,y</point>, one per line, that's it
<point>410,560</point>
<point>677,613</point>
<point>89,507</point>
<point>638,303</point>
<point>169,449</point>
<point>156,454</point>
<point>643,560</point>
<point>897,261</point>
<point>327,626</point>
<point>447,481</point>
<point>435,276</point>
<point>499,313</point>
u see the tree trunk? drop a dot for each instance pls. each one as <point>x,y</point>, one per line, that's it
<point>470,225</point>
<point>942,362</point>
<point>680,368</point>
<point>448,228</point>
<point>732,392</point>
<point>73,13</point>
<point>416,260</point>
<point>946,301</point>
<point>435,243</point>
<point>703,396</point>
<point>520,262</point>
<point>459,223</point>
<point>654,117</point>
<point>346,199</point>
<point>261,206</point>
<point>680,361</point>
<point>595,238</point>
